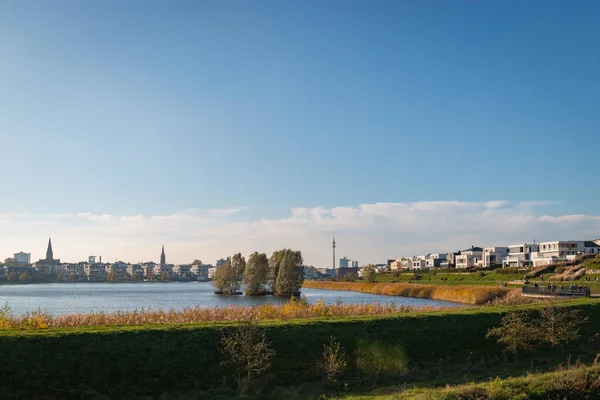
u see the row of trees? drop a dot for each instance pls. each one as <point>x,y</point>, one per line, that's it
<point>282,274</point>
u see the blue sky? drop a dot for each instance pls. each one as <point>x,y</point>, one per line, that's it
<point>166,108</point>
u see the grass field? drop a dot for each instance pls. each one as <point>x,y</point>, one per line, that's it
<point>181,361</point>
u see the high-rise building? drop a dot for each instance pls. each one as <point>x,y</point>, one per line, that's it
<point>23,258</point>
<point>92,260</point>
<point>344,262</point>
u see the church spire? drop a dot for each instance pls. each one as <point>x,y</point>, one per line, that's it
<point>49,253</point>
<point>163,259</point>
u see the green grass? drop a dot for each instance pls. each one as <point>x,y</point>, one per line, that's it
<point>571,382</point>
<point>137,361</point>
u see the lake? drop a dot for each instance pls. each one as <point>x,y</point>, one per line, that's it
<point>69,298</point>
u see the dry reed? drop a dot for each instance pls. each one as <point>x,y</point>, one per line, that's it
<point>461,294</point>
<point>292,310</point>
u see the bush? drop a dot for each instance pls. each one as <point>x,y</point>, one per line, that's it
<point>245,348</point>
<point>334,361</point>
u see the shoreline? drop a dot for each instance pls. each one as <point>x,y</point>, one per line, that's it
<point>474,295</point>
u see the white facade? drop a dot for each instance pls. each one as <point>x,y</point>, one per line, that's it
<point>418,262</point>
<point>560,248</point>
<point>200,272</point>
<point>494,255</point>
<point>23,258</point>
<point>434,260</point>
<point>519,255</point>
<point>94,272</point>
<point>182,270</point>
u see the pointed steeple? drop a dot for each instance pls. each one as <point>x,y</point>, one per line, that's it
<point>49,253</point>
<point>163,260</point>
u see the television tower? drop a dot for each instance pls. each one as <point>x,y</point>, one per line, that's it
<point>334,251</point>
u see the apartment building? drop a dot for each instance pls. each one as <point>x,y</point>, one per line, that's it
<point>200,272</point>
<point>95,272</point>
<point>182,271</point>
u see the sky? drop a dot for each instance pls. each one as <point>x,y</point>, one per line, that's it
<point>214,127</point>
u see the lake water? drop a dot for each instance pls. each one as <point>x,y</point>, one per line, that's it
<point>68,298</point>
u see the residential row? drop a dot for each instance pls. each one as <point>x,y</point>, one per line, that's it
<point>518,255</point>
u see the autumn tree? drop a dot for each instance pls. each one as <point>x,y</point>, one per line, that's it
<point>164,276</point>
<point>290,274</point>
<point>25,276</point>
<point>369,273</point>
<point>60,277</point>
<point>223,276</point>
<point>13,276</point>
<point>256,276</point>
<point>247,352</point>
<point>238,266</point>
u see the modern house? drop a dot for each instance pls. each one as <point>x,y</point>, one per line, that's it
<point>519,255</point>
<point>591,247</point>
<point>182,271</point>
<point>200,271</point>
<point>135,272</point>
<point>494,256</point>
<point>434,260</point>
<point>468,258</point>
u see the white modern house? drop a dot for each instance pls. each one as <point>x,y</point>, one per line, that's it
<point>419,262</point>
<point>435,260</point>
<point>468,258</point>
<point>494,256</point>
<point>200,272</point>
<point>519,255</point>
<point>182,270</point>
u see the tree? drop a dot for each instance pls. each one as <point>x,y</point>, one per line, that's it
<point>369,273</point>
<point>13,276</point>
<point>112,276</point>
<point>60,277</point>
<point>134,277</point>
<point>516,332</point>
<point>10,262</point>
<point>559,324</point>
<point>274,264</point>
<point>223,276</point>
<point>164,276</point>
<point>152,277</point>
<point>290,274</point>
<point>238,266</point>
<point>246,349</point>
<point>334,360</point>
<point>256,276</point>
<point>73,278</point>
<point>25,276</point>
<point>197,262</point>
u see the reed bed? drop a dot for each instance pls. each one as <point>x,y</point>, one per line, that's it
<point>462,294</point>
<point>294,309</point>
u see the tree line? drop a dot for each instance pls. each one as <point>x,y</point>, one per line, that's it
<point>281,275</point>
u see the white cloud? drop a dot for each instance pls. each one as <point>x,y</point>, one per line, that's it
<point>367,232</point>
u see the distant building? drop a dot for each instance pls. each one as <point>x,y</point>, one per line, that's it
<point>519,255</point>
<point>200,272</point>
<point>327,272</point>
<point>468,258</point>
<point>95,272</point>
<point>48,266</point>
<point>220,262</point>
<point>343,271</point>
<point>23,258</point>
<point>92,259</point>
<point>434,260</point>
<point>311,273</point>
<point>182,271</point>
<point>344,262</point>
<point>494,255</point>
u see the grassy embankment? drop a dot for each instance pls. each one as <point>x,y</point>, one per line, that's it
<point>461,294</point>
<point>567,382</point>
<point>437,347</point>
